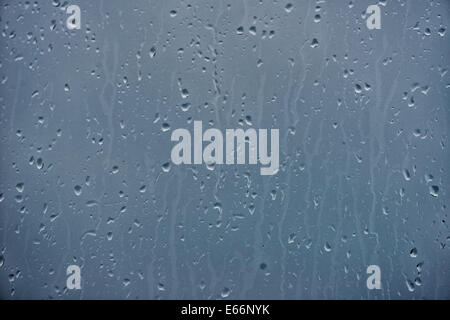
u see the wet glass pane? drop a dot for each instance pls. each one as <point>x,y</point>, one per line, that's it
<point>326,177</point>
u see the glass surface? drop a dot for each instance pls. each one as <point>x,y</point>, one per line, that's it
<point>87,178</point>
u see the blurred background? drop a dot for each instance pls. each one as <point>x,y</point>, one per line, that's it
<point>86,178</point>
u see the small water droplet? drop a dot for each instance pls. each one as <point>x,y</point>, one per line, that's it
<point>165,127</point>
<point>211,165</point>
<point>39,163</point>
<point>410,286</point>
<point>184,93</point>
<point>20,187</point>
<point>166,167</point>
<point>406,175</point>
<point>418,281</point>
<point>289,7</point>
<point>152,52</point>
<point>434,191</point>
<point>419,267</point>
<point>225,292</point>
<point>77,190</point>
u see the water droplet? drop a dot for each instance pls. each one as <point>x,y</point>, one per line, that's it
<point>165,127</point>
<point>39,163</point>
<point>314,43</point>
<point>406,175</point>
<point>211,165</point>
<point>166,167</point>
<point>419,267</point>
<point>410,286</point>
<point>185,106</point>
<point>152,52</point>
<point>434,191</point>
<point>20,186</point>
<point>225,292</point>
<point>77,190</point>
<point>418,281</point>
<point>184,93</point>
<point>289,7</point>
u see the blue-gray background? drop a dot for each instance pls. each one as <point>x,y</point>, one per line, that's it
<point>85,176</point>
